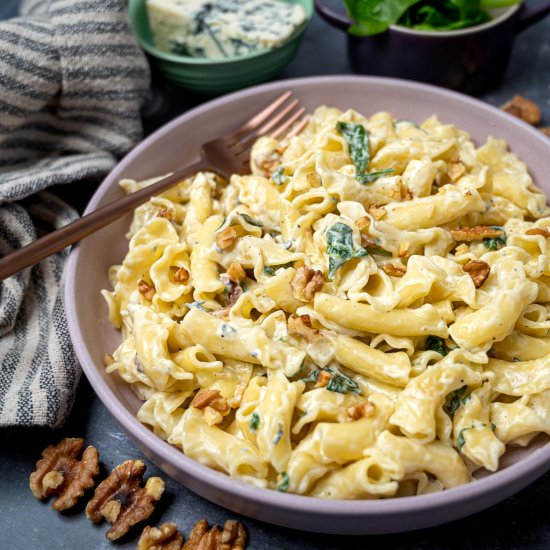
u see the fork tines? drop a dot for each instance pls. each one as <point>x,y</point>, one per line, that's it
<point>274,120</point>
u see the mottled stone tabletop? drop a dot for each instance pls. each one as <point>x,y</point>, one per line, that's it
<point>522,521</point>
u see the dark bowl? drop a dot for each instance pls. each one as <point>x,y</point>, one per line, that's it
<point>471,60</point>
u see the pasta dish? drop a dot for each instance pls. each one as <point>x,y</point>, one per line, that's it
<point>364,315</point>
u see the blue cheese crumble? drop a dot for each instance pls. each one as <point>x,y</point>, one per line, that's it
<point>222,28</point>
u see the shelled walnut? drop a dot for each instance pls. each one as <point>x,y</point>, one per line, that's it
<point>478,271</point>
<point>306,282</point>
<point>165,537</point>
<point>121,499</point>
<point>366,408</point>
<point>201,537</point>
<point>60,472</point>
<point>146,290</point>
<point>227,238</point>
<point>477,233</point>
<point>301,324</point>
<point>524,109</point>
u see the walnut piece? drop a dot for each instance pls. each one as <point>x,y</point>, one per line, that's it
<point>377,212</point>
<point>313,179</point>
<point>461,249</point>
<point>478,271</point>
<point>475,233</point>
<point>236,272</point>
<point>201,537</point>
<point>210,398</point>
<point>167,213</point>
<point>121,499</point>
<point>323,379</point>
<point>234,289</point>
<point>524,109</point>
<point>146,290</point>
<point>362,223</point>
<point>405,193</point>
<point>165,537</point>
<point>302,325</point>
<point>181,276</point>
<point>538,231</point>
<point>306,282</point>
<point>236,400</point>
<point>60,472</point>
<point>366,408</point>
<point>394,270</point>
<point>211,416</point>
<point>403,250</point>
<point>227,238</point>
<point>456,170</point>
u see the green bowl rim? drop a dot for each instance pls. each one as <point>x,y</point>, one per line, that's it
<point>182,59</point>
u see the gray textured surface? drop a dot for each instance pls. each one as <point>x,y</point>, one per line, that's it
<point>520,522</point>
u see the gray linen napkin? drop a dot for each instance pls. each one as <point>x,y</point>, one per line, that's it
<point>72,82</point>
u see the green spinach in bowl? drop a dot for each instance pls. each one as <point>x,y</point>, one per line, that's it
<point>375,16</point>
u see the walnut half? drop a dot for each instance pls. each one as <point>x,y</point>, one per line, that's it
<point>60,472</point>
<point>523,108</point>
<point>165,537</point>
<point>478,271</point>
<point>121,499</point>
<point>366,408</point>
<point>476,233</point>
<point>301,324</point>
<point>201,537</point>
<point>306,282</point>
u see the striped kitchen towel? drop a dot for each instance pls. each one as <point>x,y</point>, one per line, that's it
<point>72,83</point>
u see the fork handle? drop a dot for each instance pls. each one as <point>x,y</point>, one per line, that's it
<point>76,231</point>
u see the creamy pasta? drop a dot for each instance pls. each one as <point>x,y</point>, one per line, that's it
<point>364,315</point>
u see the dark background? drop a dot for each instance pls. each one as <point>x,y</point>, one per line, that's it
<point>521,522</point>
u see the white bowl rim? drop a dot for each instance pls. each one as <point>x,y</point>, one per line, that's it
<point>538,461</point>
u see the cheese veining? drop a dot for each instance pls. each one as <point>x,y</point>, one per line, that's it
<point>222,28</point>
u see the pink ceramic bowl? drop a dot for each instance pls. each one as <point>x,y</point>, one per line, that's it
<point>177,143</point>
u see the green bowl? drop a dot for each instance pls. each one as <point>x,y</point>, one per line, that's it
<point>217,76</point>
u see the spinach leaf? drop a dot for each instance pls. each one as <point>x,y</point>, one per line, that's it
<point>312,376</point>
<point>375,249</point>
<point>446,15</point>
<point>341,383</point>
<point>435,343</point>
<point>489,4</point>
<point>284,483</point>
<point>460,440</point>
<point>254,421</point>
<point>497,242</point>
<point>375,16</point>
<point>455,400</point>
<point>340,247</point>
<point>271,269</point>
<point>278,176</point>
<point>359,148</point>
<point>373,176</point>
<point>250,220</point>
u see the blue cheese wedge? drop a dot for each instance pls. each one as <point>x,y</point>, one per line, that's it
<point>222,28</point>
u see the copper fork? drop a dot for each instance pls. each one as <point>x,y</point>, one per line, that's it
<point>226,155</point>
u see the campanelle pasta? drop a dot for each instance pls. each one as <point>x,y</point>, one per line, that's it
<point>364,315</point>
